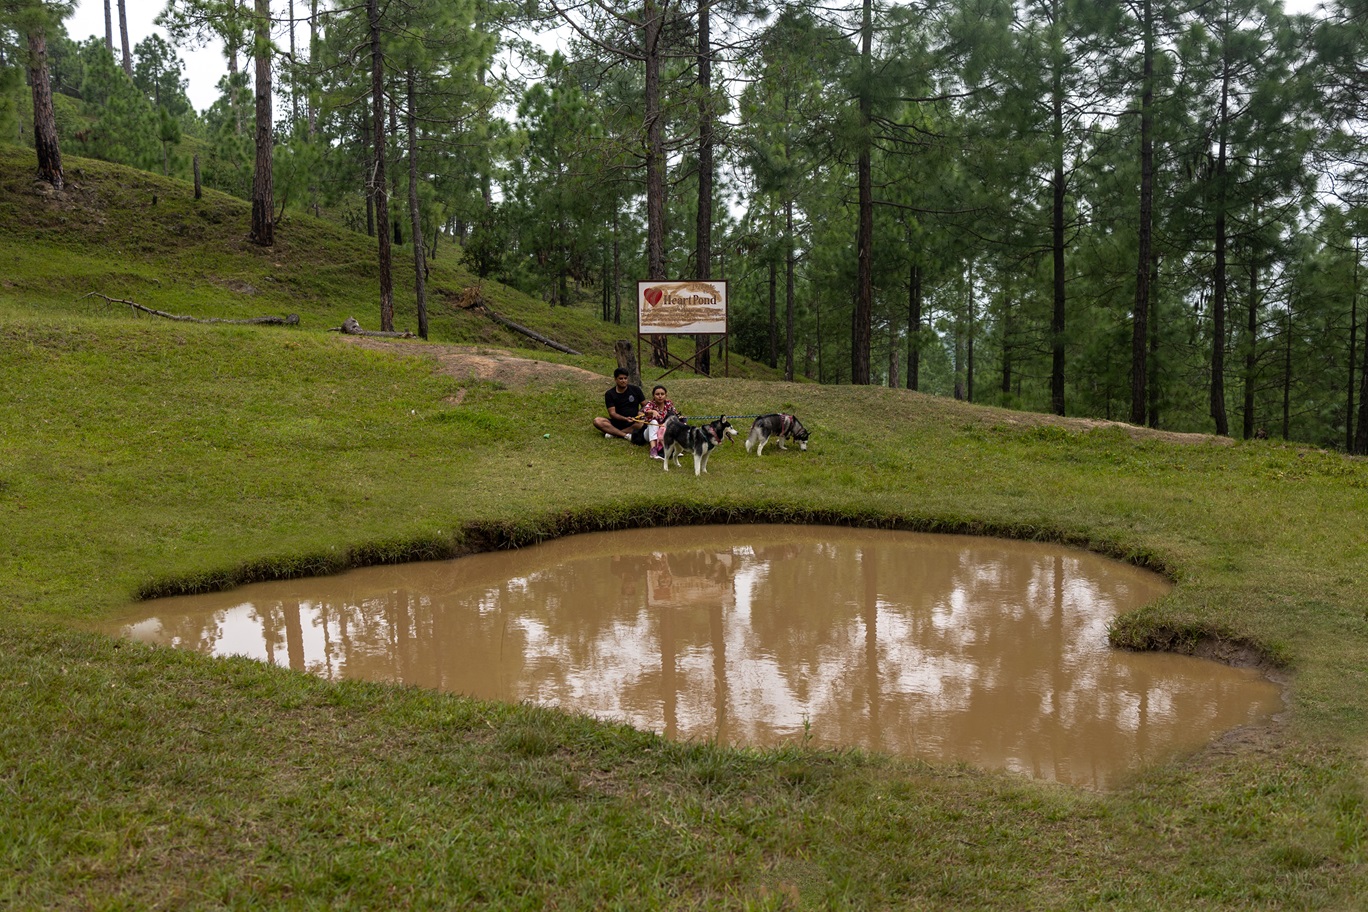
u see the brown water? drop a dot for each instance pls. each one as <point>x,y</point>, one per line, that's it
<point>940,647</point>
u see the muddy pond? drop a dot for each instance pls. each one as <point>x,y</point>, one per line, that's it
<point>946,648</point>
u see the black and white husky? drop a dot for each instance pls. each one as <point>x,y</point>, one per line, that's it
<point>702,440</point>
<point>776,425</point>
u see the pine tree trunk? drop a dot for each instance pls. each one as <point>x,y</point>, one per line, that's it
<point>109,25</point>
<point>1140,326</point>
<point>914,327</point>
<point>655,165</point>
<point>864,241</point>
<point>379,184</point>
<point>44,116</point>
<point>703,235</point>
<point>1218,292</point>
<point>1287,381</point>
<point>263,190</point>
<point>232,51</point>
<point>415,216</point>
<point>313,59</point>
<point>123,34</point>
<point>1251,348</point>
<point>1353,356</point>
<point>1057,244</point>
<point>773,312</point>
<point>790,260</point>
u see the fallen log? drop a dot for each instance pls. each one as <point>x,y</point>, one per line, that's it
<point>471,299</point>
<point>291,320</point>
<point>531,334</point>
<point>350,327</point>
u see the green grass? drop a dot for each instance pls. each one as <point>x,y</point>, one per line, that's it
<point>140,456</point>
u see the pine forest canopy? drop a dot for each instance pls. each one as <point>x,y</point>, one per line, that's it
<point>1127,209</point>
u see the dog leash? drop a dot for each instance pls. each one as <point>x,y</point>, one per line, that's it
<point>715,417</point>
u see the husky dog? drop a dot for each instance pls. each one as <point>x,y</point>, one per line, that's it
<point>680,437</point>
<point>777,425</point>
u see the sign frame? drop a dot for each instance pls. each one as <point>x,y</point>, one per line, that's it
<point>683,307</point>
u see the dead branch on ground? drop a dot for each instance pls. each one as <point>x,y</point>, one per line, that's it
<point>291,320</point>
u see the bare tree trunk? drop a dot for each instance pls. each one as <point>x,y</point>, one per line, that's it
<point>1287,380</point>
<point>914,326</point>
<point>1057,240</point>
<point>313,59</point>
<point>703,238</point>
<point>1252,348</point>
<point>790,258</point>
<point>109,26</point>
<point>294,70</point>
<point>231,49</point>
<point>1140,327</point>
<point>1361,434</point>
<point>199,189</point>
<point>1353,355</point>
<point>864,241</point>
<point>617,267</point>
<point>123,34</point>
<point>1006,351</point>
<point>44,116</point>
<point>773,312</point>
<point>655,164</point>
<point>415,217</point>
<point>1218,292</point>
<point>1155,381</point>
<point>263,190</point>
<point>379,185</point>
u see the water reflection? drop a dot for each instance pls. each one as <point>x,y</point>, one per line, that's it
<point>941,647</point>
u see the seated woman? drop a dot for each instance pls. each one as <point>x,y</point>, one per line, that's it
<point>654,412</point>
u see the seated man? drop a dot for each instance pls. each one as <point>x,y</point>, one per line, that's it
<point>624,403</point>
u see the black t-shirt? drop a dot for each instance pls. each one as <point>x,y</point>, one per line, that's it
<point>627,403</point>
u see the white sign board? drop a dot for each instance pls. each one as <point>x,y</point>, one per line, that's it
<point>682,307</point>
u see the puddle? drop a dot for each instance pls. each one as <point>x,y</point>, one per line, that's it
<point>939,647</point>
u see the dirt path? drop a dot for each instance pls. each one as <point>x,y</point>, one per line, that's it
<point>478,362</point>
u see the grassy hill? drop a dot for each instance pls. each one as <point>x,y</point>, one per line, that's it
<point>142,456</point>
<point>133,235</point>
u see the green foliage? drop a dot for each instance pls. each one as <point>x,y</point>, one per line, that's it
<point>124,126</point>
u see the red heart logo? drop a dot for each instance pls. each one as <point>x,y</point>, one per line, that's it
<point>652,295</point>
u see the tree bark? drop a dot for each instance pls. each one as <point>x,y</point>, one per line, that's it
<point>109,25</point>
<point>379,185</point>
<point>1252,348</point>
<point>773,312</point>
<point>415,217</point>
<point>1353,356</point>
<point>44,116</point>
<point>790,260</point>
<point>914,326</point>
<point>1057,244</point>
<point>123,34</point>
<point>626,358</point>
<point>703,235</point>
<point>655,163</point>
<point>1218,292</point>
<point>864,241</point>
<point>263,190</point>
<point>1140,325</point>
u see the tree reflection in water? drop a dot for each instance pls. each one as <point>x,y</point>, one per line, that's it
<point>941,647</point>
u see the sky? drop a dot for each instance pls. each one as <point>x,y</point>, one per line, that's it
<point>204,67</point>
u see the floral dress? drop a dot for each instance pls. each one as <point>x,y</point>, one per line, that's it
<point>654,414</point>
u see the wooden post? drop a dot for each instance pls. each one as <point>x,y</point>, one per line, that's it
<point>627,358</point>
